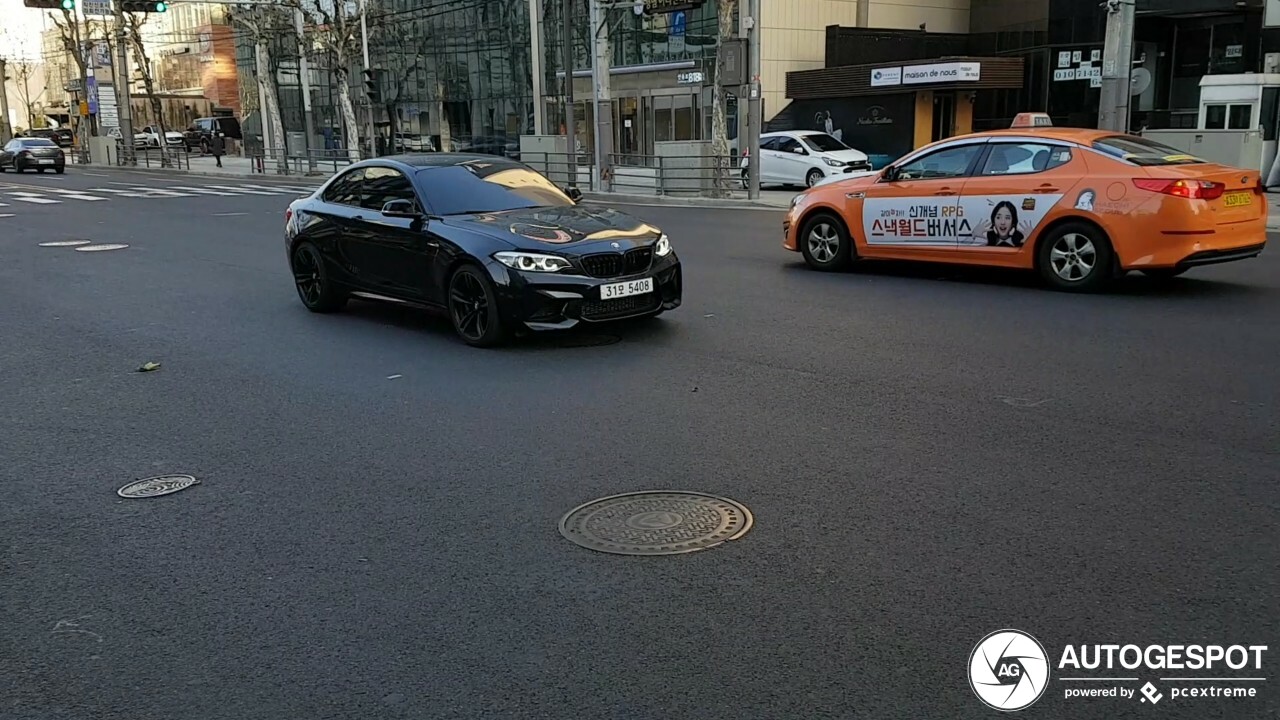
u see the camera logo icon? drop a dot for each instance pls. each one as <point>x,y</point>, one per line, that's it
<point>1008,670</point>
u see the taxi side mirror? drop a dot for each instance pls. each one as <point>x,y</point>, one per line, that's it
<point>892,173</point>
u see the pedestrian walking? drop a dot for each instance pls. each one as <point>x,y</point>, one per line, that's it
<point>218,146</point>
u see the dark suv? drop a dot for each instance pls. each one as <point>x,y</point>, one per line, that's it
<point>198,135</point>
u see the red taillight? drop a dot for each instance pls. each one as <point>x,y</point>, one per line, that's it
<point>1190,189</point>
<point>288,215</point>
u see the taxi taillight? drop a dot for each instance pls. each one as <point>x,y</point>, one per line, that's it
<point>1190,189</point>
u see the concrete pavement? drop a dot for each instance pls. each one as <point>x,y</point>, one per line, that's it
<point>931,454</point>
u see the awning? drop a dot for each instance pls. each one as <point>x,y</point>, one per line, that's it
<point>945,73</point>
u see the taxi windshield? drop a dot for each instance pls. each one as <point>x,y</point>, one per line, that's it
<point>1141,151</point>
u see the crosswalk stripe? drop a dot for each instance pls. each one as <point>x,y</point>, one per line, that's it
<point>33,199</point>
<point>158,192</point>
<point>283,189</point>
<point>75,194</point>
<point>242,190</point>
<point>3,215</point>
<point>112,190</point>
<point>203,191</point>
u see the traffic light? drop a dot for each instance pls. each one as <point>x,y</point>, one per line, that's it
<point>371,88</point>
<point>143,6</point>
<point>51,4</point>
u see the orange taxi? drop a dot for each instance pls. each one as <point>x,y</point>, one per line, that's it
<point>1079,206</point>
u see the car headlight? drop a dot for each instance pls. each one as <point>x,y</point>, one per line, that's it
<point>833,163</point>
<point>663,246</point>
<point>532,262</point>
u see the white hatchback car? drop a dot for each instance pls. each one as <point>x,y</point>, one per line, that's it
<point>804,157</point>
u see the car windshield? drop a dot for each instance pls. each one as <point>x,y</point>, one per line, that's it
<point>1141,151</point>
<point>823,143</point>
<point>38,142</point>
<point>479,186</point>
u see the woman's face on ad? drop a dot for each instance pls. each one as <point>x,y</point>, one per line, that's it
<point>1004,221</point>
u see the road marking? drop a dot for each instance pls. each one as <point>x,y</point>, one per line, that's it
<point>274,189</point>
<point>75,194</point>
<point>6,215</point>
<point>229,214</point>
<point>203,191</point>
<point>27,197</point>
<point>242,190</point>
<point>95,174</point>
<point>160,192</point>
<point>100,248</point>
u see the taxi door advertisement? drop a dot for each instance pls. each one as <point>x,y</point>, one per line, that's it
<point>1004,221</point>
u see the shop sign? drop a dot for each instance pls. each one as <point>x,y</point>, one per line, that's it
<point>1235,51</point>
<point>942,73</point>
<point>884,77</point>
<point>661,7</point>
<point>693,77</point>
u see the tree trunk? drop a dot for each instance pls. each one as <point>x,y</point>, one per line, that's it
<point>269,103</point>
<point>719,128</point>
<point>352,126</point>
<point>157,108</point>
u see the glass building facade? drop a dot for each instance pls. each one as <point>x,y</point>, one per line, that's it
<point>1176,43</point>
<point>458,75</point>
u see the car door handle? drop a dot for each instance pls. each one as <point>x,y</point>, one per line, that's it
<point>945,191</point>
<point>1047,189</point>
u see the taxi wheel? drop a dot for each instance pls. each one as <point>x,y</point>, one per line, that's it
<point>1076,257</point>
<point>825,243</point>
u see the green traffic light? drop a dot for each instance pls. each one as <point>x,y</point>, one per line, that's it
<point>160,7</point>
<point>68,4</point>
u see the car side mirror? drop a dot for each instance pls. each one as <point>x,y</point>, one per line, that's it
<point>892,173</point>
<point>574,193</point>
<point>799,151</point>
<point>401,209</point>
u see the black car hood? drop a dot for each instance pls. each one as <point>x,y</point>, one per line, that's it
<point>574,228</point>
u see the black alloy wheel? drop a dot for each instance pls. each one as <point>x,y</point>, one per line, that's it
<point>473,308</point>
<point>310,277</point>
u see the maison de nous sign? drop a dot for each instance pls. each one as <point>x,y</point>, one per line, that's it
<point>926,74</point>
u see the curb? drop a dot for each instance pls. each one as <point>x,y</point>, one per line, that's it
<point>681,202</point>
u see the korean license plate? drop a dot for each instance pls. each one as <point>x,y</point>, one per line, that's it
<point>613,291</point>
<point>1237,199</point>
<point>46,162</point>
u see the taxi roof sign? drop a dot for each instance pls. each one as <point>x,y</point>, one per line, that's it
<point>1032,119</point>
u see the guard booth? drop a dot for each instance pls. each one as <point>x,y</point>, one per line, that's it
<point>1238,124</point>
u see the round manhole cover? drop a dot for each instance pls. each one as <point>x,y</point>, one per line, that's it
<point>65,243</point>
<point>100,248</point>
<point>656,523</point>
<point>156,486</point>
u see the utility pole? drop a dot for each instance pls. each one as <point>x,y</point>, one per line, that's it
<point>123,101</point>
<point>600,68</point>
<point>6,132</point>
<point>304,80</point>
<point>571,132</point>
<point>537,16</point>
<point>755,116</point>
<point>364,49</point>
<point>1117,65</point>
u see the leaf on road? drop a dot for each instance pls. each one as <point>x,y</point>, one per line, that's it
<point>149,367</point>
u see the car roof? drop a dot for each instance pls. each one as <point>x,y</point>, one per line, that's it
<point>435,160</point>
<point>1084,136</point>
<point>793,133</point>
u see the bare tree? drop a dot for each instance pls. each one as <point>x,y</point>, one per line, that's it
<point>338,32</point>
<point>21,72</point>
<point>133,23</point>
<point>264,23</point>
<point>76,38</point>
<point>719,130</point>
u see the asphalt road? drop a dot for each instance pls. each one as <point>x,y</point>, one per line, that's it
<point>930,455</point>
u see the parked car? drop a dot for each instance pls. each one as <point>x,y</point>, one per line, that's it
<point>499,146</point>
<point>413,142</point>
<point>490,242</point>
<point>30,153</point>
<point>62,137</point>
<point>198,135</point>
<point>804,158</point>
<point>151,135</point>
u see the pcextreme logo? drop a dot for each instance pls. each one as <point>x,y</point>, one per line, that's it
<point>1009,671</point>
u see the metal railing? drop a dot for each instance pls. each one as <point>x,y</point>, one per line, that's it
<point>632,174</point>
<point>279,161</point>
<point>150,157</point>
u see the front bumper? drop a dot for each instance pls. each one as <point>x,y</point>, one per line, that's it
<point>559,301</point>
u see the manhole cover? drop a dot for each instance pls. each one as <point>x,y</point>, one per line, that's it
<point>656,523</point>
<point>157,486</point>
<point>65,243</point>
<point>100,248</point>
